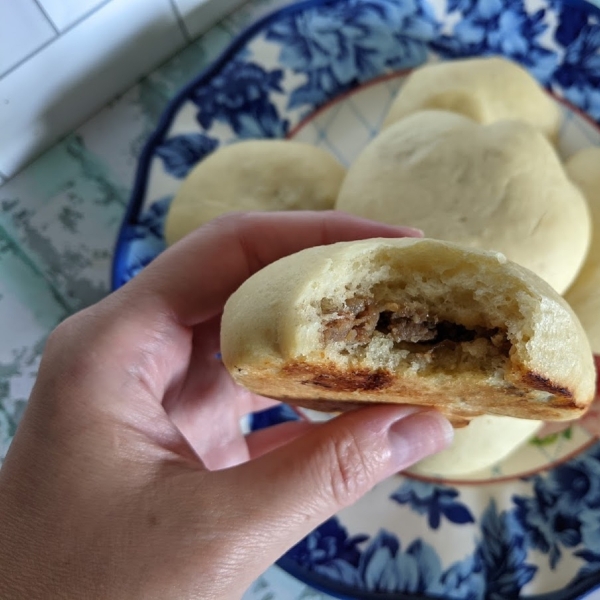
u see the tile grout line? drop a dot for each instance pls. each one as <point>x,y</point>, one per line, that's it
<point>85,16</point>
<point>31,264</point>
<point>63,32</point>
<point>27,57</point>
<point>180,21</point>
<point>225,20</point>
<point>45,13</point>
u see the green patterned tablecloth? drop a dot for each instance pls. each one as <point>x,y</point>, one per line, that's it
<point>59,220</point>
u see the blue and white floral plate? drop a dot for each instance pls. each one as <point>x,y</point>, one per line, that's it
<point>325,72</point>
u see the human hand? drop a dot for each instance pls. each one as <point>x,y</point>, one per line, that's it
<point>129,477</point>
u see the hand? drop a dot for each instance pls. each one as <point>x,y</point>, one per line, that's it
<point>129,478</point>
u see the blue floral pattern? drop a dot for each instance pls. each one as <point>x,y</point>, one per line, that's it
<point>579,73</point>
<point>434,501</point>
<point>503,554</point>
<point>146,238</point>
<point>273,416</point>
<point>181,153</point>
<point>241,96</point>
<point>319,52</point>
<point>503,27</point>
<point>563,511</point>
<point>466,579</point>
<point>338,46</point>
<point>331,552</point>
<point>382,566</point>
<point>497,570</point>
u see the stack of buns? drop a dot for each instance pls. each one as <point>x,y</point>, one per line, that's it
<point>469,321</point>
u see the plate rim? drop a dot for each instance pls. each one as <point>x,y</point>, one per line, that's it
<point>578,591</point>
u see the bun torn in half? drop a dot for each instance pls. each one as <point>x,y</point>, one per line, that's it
<point>408,321</point>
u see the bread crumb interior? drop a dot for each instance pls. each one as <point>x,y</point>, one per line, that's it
<point>411,332</point>
<point>423,326</point>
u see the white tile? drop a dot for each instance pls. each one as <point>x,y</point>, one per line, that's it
<point>117,133</point>
<point>23,29</point>
<point>65,12</point>
<point>200,15</point>
<point>78,73</point>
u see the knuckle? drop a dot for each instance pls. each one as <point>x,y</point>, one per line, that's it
<point>69,349</point>
<point>350,473</point>
<point>62,334</point>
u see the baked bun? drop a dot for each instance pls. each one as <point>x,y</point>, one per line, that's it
<point>254,175</point>
<point>408,321</point>
<point>484,89</point>
<point>486,441</point>
<point>584,296</point>
<point>498,187</point>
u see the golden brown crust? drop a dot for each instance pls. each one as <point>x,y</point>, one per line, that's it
<point>325,386</point>
<point>330,377</point>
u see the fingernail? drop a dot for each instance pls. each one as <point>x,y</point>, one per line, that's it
<point>417,436</point>
<point>413,231</point>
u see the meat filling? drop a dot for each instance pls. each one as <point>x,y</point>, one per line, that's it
<point>407,323</point>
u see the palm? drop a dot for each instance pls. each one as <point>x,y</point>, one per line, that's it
<point>207,406</point>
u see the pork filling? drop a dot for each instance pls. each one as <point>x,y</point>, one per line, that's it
<point>409,325</point>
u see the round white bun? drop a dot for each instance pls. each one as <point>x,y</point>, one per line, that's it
<point>254,175</point>
<point>584,296</point>
<point>484,89</point>
<point>496,187</point>
<point>408,321</point>
<point>486,441</point>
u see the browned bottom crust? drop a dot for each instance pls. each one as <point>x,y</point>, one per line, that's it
<point>461,397</point>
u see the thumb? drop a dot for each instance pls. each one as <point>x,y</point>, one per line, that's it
<point>293,489</point>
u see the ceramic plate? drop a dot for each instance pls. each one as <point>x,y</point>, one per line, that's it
<point>325,72</point>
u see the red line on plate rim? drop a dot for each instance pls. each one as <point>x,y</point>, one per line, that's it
<point>404,73</point>
<point>359,88</point>
<point>490,481</point>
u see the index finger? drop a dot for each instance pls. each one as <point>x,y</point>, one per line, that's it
<point>195,277</point>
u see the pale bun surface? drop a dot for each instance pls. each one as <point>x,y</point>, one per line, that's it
<point>263,175</point>
<point>486,441</point>
<point>498,187</point>
<point>584,295</point>
<point>484,89</point>
<point>413,321</point>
